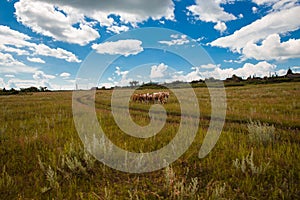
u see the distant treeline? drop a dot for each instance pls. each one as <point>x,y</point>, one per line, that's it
<point>29,90</point>
<point>229,82</point>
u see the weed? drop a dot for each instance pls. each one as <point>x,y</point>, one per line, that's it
<point>246,165</point>
<point>261,133</point>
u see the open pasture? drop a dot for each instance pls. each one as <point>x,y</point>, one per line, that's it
<point>256,157</point>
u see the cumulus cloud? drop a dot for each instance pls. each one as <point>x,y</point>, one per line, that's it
<point>266,30</point>
<point>120,47</point>
<point>8,64</point>
<point>273,49</point>
<point>36,60</point>
<point>42,79</point>
<point>211,11</point>
<point>277,4</point>
<point>124,80</point>
<point>260,69</point>
<point>220,26</point>
<point>177,40</point>
<point>191,76</point>
<point>14,41</point>
<point>158,71</point>
<point>55,22</point>
<point>64,15</point>
<point>44,50</point>
<point>9,49</point>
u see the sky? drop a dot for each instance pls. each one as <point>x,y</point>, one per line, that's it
<point>60,44</point>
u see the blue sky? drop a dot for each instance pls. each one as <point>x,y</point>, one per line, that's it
<point>50,43</point>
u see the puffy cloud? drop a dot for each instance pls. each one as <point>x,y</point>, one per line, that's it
<point>254,9</point>
<point>55,22</point>
<point>9,49</point>
<point>40,75</point>
<point>65,75</point>
<point>14,41</point>
<point>118,29</point>
<point>121,47</point>
<point>8,64</point>
<point>211,11</point>
<point>220,26</point>
<point>42,79</point>
<point>274,23</point>
<point>124,81</point>
<point>260,69</point>
<point>284,4</point>
<point>191,76</point>
<point>44,50</point>
<point>36,60</point>
<point>65,15</point>
<point>265,30</point>
<point>158,71</point>
<point>273,49</point>
<point>177,40</point>
<point>277,4</point>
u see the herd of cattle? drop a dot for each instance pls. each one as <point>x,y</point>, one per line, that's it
<point>157,97</point>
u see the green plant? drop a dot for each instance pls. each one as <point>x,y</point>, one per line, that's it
<point>261,133</point>
<point>246,165</point>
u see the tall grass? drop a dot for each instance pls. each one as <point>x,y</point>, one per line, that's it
<point>42,157</point>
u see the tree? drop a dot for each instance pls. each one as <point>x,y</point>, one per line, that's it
<point>133,83</point>
<point>289,71</point>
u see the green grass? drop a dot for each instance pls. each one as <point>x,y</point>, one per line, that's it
<point>256,157</point>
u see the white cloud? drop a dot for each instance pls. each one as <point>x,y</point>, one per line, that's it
<point>8,64</point>
<point>42,79</point>
<point>40,75</point>
<point>158,71</point>
<point>121,47</point>
<point>36,60</point>
<point>191,76</point>
<point>63,15</point>
<point>261,2</point>
<point>5,48</point>
<point>44,50</point>
<point>124,81</point>
<point>254,9</point>
<point>285,4</point>
<point>274,23</point>
<point>9,76</point>
<point>211,11</point>
<point>46,19</point>
<point>273,49</point>
<point>220,26</point>
<point>178,40</point>
<point>118,29</point>
<point>260,69</point>
<point>16,42</point>
<point>209,66</point>
<point>65,75</point>
<point>277,4</point>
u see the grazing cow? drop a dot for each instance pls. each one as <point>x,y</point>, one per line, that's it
<point>157,97</point>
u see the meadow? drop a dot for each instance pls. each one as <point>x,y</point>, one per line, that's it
<point>256,157</point>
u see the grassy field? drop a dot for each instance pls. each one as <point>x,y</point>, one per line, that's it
<point>256,157</point>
